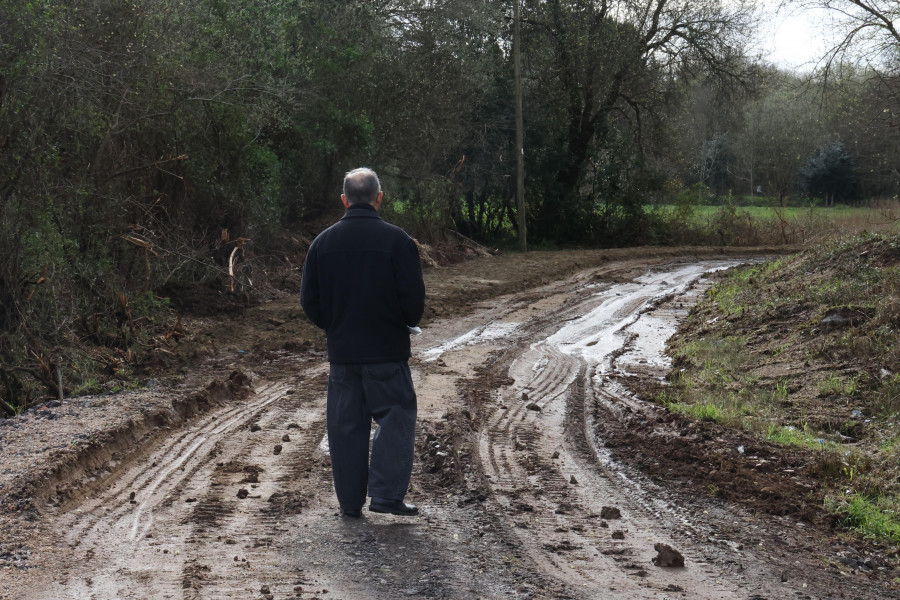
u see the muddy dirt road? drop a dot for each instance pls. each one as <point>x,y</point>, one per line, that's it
<point>519,495</point>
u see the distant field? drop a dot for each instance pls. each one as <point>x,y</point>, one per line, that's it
<point>811,220</point>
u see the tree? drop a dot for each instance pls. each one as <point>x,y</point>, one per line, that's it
<point>867,57</point>
<point>830,174</point>
<point>783,128</point>
<point>602,73</point>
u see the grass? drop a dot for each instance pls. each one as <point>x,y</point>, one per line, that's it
<point>876,518</point>
<point>878,216</point>
<point>701,412</point>
<point>834,214</point>
<point>728,224</point>
<point>835,385</point>
<point>801,438</point>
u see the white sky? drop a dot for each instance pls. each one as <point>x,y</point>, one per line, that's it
<point>795,38</point>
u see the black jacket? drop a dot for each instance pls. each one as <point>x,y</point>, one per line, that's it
<point>362,283</point>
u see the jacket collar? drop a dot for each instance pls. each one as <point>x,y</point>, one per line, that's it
<point>364,210</point>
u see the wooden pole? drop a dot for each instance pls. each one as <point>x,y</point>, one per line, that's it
<point>520,136</point>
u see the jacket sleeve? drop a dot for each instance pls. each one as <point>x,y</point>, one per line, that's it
<point>410,282</point>
<point>310,297</point>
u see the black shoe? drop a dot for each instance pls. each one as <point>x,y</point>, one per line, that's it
<point>398,507</point>
<point>352,514</point>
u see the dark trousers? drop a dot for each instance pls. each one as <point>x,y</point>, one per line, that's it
<point>357,394</point>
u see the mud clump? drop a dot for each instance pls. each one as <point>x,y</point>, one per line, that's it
<point>277,450</point>
<point>242,493</point>
<point>286,503</point>
<point>667,556</point>
<point>441,452</point>
<point>240,380</point>
<point>610,513</point>
<point>252,474</point>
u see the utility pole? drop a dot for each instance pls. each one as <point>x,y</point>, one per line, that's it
<point>520,135</point>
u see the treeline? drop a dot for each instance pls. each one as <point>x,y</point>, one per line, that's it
<point>149,144</point>
<point>825,136</point>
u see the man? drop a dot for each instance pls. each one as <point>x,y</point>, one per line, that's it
<point>362,283</point>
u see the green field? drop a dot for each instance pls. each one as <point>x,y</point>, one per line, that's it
<point>761,225</point>
<point>881,215</point>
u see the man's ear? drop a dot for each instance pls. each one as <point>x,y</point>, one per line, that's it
<point>344,201</point>
<point>378,200</point>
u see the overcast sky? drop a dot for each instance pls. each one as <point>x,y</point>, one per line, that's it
<point>795,38</point>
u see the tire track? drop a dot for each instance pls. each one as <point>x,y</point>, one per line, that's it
<point>139,529</point>
<point>546,439</point>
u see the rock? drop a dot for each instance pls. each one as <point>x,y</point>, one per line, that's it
<point>285,438</point>
<point>524,396</point>
<point>667,556</point>
<point>572,480</point>
<point>255,427</point>
<point>610,513</point>
<point>618,534</point>
<point>277,450</point>
<point>265,590</point>
<point>242,493</point>
<point>293,426</point>
<point>534,407</point>
<point>555,455</point>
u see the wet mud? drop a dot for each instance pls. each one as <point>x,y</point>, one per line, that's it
<point>543,470</point>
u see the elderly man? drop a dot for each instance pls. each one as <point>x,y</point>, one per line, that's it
<point>362,283</point>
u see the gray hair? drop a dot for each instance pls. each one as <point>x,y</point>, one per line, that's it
<point>361,185</point>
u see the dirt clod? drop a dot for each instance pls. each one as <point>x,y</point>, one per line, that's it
<point>534,406</point>
<point>285,438</point>
<point>242,493</point>
<point>277,450</point>
<point>618,534</point>
<point>610,513</point>
<point>254,428</point>
<point>667,556</point>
